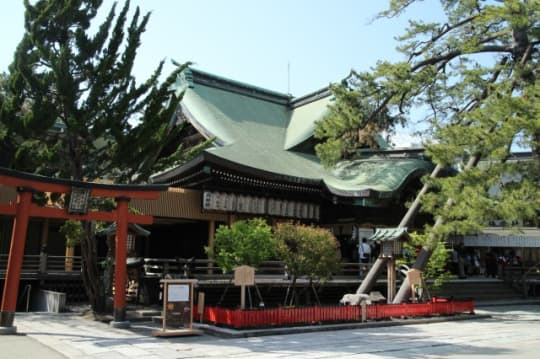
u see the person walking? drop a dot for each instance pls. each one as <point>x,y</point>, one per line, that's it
<point>364,254</point>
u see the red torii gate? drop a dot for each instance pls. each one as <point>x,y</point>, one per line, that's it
<point>23,209</point>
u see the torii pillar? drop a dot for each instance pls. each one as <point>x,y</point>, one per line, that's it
<point>15,259</point>
<point>120,255</point>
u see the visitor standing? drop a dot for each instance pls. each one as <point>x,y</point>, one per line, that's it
<point>364,251</point>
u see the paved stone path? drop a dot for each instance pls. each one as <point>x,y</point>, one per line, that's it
<point>512,332</point>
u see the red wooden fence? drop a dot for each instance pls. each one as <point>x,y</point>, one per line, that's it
<point>238,319</point>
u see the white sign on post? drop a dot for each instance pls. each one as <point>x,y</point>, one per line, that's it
<point>178,293</point>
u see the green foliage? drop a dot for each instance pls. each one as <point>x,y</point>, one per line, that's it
<point>474,79</point>
<point>348,127</point>
<point>243,243</point>
<point>73,231</point>
<point>86,117</point>
<point>306,250</point>
<point>436,268</point>
<point>71,107</point>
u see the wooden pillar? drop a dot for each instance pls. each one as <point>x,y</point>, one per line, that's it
<point>120,255</point>
<point>211,243</point>
<point>15,260</point>
<point>391,279</point>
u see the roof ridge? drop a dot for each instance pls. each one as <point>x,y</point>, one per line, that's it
<point>310,97</point>
<point>209,79</point>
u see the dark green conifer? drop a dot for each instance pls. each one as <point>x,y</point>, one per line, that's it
<point>72,107</point>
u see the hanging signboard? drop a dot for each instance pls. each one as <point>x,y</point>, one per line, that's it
<point>229,202</point>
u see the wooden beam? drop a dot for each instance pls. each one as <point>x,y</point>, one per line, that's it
<point>97,189</point>
<point>61,213</point>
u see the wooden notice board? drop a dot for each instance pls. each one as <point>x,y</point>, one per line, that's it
<point>244,276</point>
<point>177,308</point>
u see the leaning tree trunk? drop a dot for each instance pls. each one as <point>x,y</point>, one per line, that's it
<point>371,277</point>
<point>425,253</point>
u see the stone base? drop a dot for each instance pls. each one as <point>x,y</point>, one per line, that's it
<point>6,319</point>
<point>177,332</point>
<point>121,325</point>
<point>8,330</point>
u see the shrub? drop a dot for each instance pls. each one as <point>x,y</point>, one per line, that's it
<point>242,243</point>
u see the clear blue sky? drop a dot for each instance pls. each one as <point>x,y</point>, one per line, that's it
<point>253,40</point>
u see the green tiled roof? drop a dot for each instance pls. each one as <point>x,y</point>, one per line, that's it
<point>389,234</point>
<point>259,129</point>
<point>303,120</point>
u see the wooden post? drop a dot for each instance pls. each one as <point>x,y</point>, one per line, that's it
<point>391,279</point>
<point>120,263</point>
<point>363,309</point>
<point>244,276</point>
<point>15,260</point>
<point>200,306</point>
<point>211,244</point>
<point>242,297</point>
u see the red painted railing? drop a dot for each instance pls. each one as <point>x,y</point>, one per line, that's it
<point>237,318</point>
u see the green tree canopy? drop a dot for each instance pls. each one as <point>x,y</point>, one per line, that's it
<point>87,116</point>
<point>72,108</point>
<point>475,77</point>
<point>306,251</point>
<point>242,243</point>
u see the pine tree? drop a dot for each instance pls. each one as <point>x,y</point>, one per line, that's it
<point>476,75</point>
<point>91,118</point>
<point>86,116</point>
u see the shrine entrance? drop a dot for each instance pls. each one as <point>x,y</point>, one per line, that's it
<point>80,193</point>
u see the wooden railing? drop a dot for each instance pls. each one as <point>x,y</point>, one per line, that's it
<point>162,267</point>
<point>45,264</point>
<point>204,268</point>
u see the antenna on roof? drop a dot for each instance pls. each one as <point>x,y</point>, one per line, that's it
<point>288,77</point>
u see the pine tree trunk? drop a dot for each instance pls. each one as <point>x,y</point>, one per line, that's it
<point>423,257</point>
<point>371,277</point>
<point>425,253</point>
<point>294,295</point>
<point>92,281</point>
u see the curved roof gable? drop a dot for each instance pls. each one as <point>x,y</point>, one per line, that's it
<point>306,112</point>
